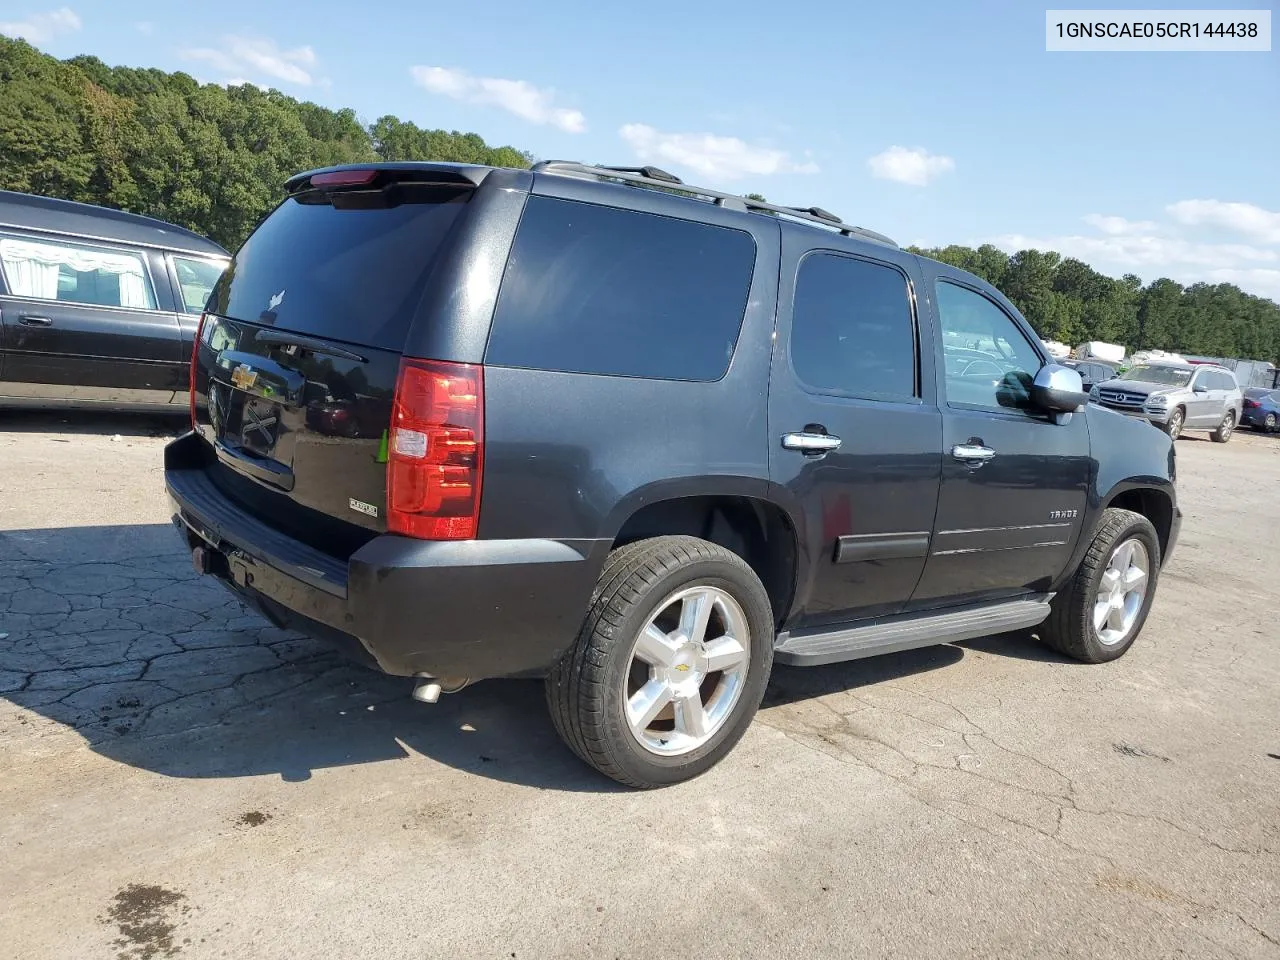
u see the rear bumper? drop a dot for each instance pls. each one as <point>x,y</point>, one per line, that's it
<point>1253,416</point>
<point>473,608</point>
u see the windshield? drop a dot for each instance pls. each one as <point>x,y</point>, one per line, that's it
<point>1174,376</point>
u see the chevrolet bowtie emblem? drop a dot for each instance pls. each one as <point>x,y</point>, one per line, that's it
<point>244,377</point>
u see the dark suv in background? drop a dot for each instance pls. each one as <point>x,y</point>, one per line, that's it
<point>644,440</point>
<point>98,307</point>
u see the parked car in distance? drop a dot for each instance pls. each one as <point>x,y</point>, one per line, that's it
<point>98,308</point>
<point>1261,409</point>
<point>643,440</point>
<point>1176,397</point>
<point>1091,371</point>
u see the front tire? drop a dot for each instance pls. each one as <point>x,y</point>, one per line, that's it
<point>670,664</point>
<point>1225,428</point>
<point>1173,427</point>
<point>1100,613</point>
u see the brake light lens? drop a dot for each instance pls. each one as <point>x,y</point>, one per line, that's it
<point>435,456</point>
<point>343,178</point>
<point>1251,403</point>
<point>195,364</point>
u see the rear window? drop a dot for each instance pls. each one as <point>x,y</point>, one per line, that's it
<point>592,289</point>
<point>352,269</point>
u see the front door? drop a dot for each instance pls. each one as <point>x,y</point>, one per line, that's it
<point>1014,481</point>
<point>854,431</point>
<point>83,322</point>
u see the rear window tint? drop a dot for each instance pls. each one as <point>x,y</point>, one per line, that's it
<point>353,272</point>
<point>592,289</point>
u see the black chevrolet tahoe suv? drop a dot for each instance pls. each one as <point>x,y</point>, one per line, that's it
<point>643,440</point>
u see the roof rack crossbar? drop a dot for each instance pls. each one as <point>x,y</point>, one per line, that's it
<point>645,176</point>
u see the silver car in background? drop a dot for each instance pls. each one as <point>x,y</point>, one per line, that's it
<point>1176,397</point>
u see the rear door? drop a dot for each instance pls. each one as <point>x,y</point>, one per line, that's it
<point>855,434</point>
<point>1230,392</point>
<point>299,354</point>
<point>1204,408</point>
<point>87,321</point>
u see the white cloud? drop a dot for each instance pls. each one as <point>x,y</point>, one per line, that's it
<point>1243,218</point>
<point>258,56</point>
<point>914,165</point>
<point>42,27</point>
<point>1154,250</point>
<point>534,104</point>
<point>1117,226</point>
<point>726,158</point>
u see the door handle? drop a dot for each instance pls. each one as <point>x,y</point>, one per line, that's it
<point>35,321</point>
<point>972,453</point>
<point>810,444</point>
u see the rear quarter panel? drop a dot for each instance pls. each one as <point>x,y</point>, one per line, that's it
<point>571,456</point>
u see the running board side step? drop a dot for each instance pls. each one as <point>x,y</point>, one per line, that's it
<point>812,648</point>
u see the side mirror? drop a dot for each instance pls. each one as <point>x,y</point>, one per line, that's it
<point>1058,389</point>
<point>1199,388</point>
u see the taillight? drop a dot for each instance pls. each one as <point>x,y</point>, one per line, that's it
<point>1251,403</point>
<point>195,363</point>
<point>436,452</point>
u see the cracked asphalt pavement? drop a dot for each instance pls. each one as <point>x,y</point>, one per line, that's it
<point>178,778</point>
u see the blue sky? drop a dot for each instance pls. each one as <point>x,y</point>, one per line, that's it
<point>935,122</point>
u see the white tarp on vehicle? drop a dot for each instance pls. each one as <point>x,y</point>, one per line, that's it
<point>1100,350</point>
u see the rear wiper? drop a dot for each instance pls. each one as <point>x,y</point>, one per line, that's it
<point>308,343</point>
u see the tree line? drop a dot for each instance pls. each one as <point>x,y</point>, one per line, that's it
<point>1069,301</point>
<point>213,159</point>
<point>207,157</point>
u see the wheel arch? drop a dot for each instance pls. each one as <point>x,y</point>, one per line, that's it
<point>735,517</point>
<point>1154,503</point>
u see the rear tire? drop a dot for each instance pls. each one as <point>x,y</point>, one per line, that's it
<point>1094,619</point>
<point>645,695</point>
<point>1225,428</point>
<point>1173,427</point>
<point>1270,423</point>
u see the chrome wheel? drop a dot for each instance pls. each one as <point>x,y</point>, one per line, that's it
<point>1175,424</point>
<point>1228,424</point>
<point>1122,592</point>
<point>687,670</point>
<point>1269,423</point>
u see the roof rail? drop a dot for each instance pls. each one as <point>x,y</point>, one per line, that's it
<point>655,177</point>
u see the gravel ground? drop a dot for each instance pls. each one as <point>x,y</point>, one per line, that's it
<point>178,778</point>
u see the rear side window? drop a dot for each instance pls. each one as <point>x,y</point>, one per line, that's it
<point>196,279</point>
<point>344,266</point>
<point>852,332</point>
<point>593,289</point>
<point>76,273</point>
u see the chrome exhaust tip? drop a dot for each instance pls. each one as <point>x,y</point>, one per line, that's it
<point>429,688</point>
